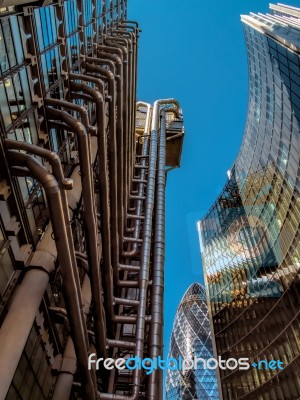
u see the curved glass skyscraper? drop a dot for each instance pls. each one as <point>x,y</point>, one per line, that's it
<point>250,237</point>
<point>191,338</point>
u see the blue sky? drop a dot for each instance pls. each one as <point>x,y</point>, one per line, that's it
<point>194,50</point>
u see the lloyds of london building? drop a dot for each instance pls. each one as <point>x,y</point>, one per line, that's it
<point>82,183</point>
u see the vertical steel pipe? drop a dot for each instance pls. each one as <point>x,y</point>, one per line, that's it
<point>145,254</point>
<point>139,203</point>
<point>57,171</point>
<point>123,53</point>
<point>89,217</point>
<point>39,172</point>
<point>64,382</point>
<point>132,40</point>
<point>156,326</point>
<point>117,61</point>
<point>157,296</point>
<point>130,88</point>
<point>97,98</point>
<point>112,148</point>
<point>18,322</point>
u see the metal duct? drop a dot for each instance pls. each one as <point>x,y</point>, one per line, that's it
<point>156,327</point>
<point>145,254</point>
<point>139,203</point>
<point>97,98</point>
<point>21,315</point>
<point>131,66</point>
<point>64,382</point>
<point>112,147</point>
<point>116,62</point>
<point>89,214</point>
<point>50,184</point>
<point>64,183</point>
<point>121,51</point>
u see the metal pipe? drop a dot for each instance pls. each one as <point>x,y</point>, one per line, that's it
<point>64,382</point>
<point>89,217</point>
<point>156,327</point>
<point>135,36</point>
<point>137,197</point>
<point>127,302</point>
<point>139,203</point>
<point>175,136</point>
<point>128,284</point>
<point>143,282</point>
<point>97,98</point>
<point>133,41</point>
<point>132,240</point>
<point>116,47</point>
<point>126,267</point>
<point>112,147</point>
<point>84,264</point>
<point>121,166</point>
<point>83,256</point>
<point>21,314</point>
<point>134,216</point>
<point>157,298</point>
<point>110,49</point>
<point>129,319</point>
<point>50,184</point>
<point>132,102</point>
<point>125,21</point>
<point>64,183</point>
<point>132,28</point>
<point>88,78</point>
<point>129,101</point>
<point>100,62</point>
<point>146,251</point>
<point>74,107</point>
<point>120,344</point>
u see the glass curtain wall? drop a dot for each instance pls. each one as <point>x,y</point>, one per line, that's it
<point>250,236</point>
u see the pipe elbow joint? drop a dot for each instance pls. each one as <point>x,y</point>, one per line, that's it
<point>43,260</point>
<point>130,253</point>
<point>50,184</point>
<point>80,129</point>
<point>110,76</point>
<point>68,184</point>
<point>82,110</point>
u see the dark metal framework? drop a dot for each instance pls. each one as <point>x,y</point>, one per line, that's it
<point>82,183</point>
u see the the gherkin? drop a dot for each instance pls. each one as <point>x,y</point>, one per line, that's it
<point>191,338</point>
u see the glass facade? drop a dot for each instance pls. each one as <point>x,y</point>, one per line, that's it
<point>191,338</point>
<point>250,236</point>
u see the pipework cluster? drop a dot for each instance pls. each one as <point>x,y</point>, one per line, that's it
<point>82,204</point>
